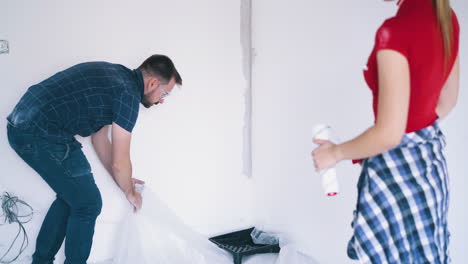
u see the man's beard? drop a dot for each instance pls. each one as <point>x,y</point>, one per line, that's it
<point>146,102</point>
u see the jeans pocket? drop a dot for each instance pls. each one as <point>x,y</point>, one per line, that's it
<point>58,151</point>
<point>76,164</point>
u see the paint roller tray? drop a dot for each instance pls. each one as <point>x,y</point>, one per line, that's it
<point>240,244</point>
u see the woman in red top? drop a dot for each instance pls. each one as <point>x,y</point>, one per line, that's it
<point>403,190</point>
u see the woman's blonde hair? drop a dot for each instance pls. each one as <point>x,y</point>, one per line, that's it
<point>444,18</point>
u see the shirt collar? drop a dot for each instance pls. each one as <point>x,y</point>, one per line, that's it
<point>408,5</point>
<point>140,83</point>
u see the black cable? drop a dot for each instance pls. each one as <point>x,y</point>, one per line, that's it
<point>10,208</point>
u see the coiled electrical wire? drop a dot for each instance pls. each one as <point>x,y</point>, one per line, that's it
<point>11,206</point>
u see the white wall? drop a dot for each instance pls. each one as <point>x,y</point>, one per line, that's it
<point>308,70</point>
<point>189,149</point>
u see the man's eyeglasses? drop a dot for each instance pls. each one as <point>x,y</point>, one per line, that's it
<point>164,93</point>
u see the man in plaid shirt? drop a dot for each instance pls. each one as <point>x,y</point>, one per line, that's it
<point>84,100</point>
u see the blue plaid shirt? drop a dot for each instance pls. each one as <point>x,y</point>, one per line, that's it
<point>80,101</point>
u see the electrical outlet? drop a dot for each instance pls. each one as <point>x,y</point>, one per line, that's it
<point>4,46</point>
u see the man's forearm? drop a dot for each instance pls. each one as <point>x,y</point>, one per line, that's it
<point>122,174</point>
<point>121,163</point>
<point>103,148</point>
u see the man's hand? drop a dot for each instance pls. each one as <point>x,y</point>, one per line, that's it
<point>137,181</point>
<point>135,199</point>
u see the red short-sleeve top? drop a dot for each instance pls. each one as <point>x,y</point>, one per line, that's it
<point>414,32</point>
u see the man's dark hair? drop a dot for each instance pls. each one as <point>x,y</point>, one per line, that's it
<point>162,67</point>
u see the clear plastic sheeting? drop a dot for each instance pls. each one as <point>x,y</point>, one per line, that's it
<point>156,235</point>
<point>290,254</point>
<point>266,238</point>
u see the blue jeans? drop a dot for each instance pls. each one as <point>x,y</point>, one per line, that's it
<point>78,201</point>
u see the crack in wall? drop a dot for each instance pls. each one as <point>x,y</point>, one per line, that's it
<point>247,60</point>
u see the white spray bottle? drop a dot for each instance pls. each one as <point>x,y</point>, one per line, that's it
<point>329,180</point>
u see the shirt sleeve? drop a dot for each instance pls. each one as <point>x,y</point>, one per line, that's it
<point>391,36</point>
<point>125,110</point>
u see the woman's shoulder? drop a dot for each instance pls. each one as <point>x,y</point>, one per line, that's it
<point>393,33</point>
<point>394,25</point>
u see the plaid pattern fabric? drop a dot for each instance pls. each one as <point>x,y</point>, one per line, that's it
<point>80,101</point>
<point>403,197</point>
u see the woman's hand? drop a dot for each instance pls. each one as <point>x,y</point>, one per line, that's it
<point>326,155</point>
